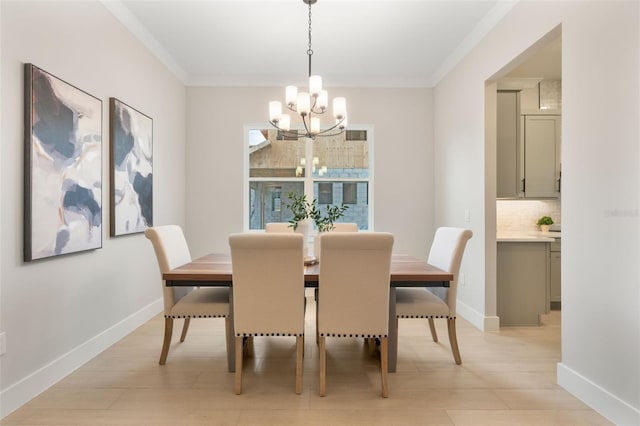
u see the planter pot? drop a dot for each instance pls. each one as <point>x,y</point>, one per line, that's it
<point>544,228</point>
<point>305,228</point>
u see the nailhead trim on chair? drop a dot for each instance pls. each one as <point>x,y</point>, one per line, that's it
<point>196,316</point>
<point>426,316</point>
<point>369,336</point>
<point>268,334</point>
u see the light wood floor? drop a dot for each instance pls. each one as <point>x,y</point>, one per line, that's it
<point>506,378</point>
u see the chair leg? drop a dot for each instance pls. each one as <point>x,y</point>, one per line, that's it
<point>168,331</point>
<point>432,327</point>
<point>299,356</point>
<point>384,365</point>
<point>185,328</point>
<point>371,344</point>
<point>453,340</point>
<point>238,374</point>
<point>248,347</point>
<point>317,334</point>
<point>323,366</point>
<point>229,340</point>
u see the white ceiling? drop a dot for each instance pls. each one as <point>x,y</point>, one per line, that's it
<point>389,43</point>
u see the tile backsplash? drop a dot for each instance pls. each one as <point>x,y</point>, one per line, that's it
<point>515,216</point>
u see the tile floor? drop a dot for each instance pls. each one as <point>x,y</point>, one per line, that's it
<point>506,378</point>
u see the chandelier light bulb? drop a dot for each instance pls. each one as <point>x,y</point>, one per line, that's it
<point>315,125</point>
<point>285,122</point>
<point>291,95</point>
<point>304,103</point>
<point>323,100</point>
<point>275,111</point>
<point>339,108</point>
<point>315,85</point>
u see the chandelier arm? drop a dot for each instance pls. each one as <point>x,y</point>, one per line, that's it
<point>332,127</point>
<point>306,126</point>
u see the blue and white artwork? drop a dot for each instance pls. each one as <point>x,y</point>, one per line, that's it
<point>131,169</point>
<point>63,167</point>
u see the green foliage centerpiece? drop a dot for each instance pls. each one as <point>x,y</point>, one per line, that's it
<point>302,209</point>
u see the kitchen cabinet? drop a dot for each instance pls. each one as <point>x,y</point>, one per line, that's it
<point>554,274</point>
<point>541,142</point>
<point>528,151</point>
<point>522,281</point>
<point>507,139</point>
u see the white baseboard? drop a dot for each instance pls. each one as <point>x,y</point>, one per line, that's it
<point>40,380</point>
<point>478,319</point>
<point>610,406</point>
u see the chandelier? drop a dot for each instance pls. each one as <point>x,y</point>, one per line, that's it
<point>308,105</point>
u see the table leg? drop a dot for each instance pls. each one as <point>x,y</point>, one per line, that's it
<point>393,331</point>
<point>231,345</point>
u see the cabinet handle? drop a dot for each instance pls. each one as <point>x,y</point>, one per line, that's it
<point>559,181</point>
<point>523,186</point>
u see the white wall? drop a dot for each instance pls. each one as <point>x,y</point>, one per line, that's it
<point>601,186</point>
<point>58,313</point>
<point>403,160</point>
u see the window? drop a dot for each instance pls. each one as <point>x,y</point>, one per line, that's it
<point>331,170</point>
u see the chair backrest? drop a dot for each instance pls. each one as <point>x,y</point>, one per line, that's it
<point>353,289</point>
<point>446,253</point>
<point>337,227</point>
<point>345,227</point>
<point>278,227</point>
<point>171,251</point>
<point>268,283</point>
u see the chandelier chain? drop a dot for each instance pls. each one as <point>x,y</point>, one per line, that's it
<point>309,50</point>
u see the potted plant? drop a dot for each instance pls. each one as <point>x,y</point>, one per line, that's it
<point>302,210</point>
<point>544,222</point>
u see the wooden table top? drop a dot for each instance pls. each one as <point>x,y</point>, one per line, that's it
<point>216,269</point>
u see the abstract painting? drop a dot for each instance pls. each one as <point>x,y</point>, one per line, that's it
<point>131,169</point>
<point>63,167</point>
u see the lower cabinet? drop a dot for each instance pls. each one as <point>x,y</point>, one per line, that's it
<point>523,280</point>
<point>554,274</point>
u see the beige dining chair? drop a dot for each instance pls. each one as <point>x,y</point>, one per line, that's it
<point>171,251</point>
<point>268,292</point>
<point>345,227</point>
<point>278,227</point>
<point>337,227</point>
<point>353,292</point>
<point>446,253</point>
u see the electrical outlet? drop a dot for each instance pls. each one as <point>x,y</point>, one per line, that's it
<point>3,343</point>
<point>461,280</point>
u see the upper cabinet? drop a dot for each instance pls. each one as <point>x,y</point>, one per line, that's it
<point>508,144</point>
<point>541,142</point>
<point>528,142</point>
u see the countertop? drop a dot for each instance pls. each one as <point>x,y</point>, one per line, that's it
<point>528,237</point>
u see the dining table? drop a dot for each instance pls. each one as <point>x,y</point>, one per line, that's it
<point>215,270</point>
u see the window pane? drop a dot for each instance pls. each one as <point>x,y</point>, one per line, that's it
<point>271,156</point>
<point>325,193</point>
<point>268,202</point>
<point>350,193</point>
<point>337,157</point>
<point>357,212</point>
